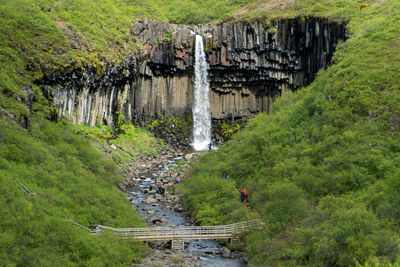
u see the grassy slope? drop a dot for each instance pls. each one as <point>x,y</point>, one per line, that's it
<point>133,144</point>
<point>336,10</point>
<point>323,169</point>
<point>70,181</point>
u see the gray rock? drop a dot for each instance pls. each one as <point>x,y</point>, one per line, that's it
<point>150,200</point>
<point>107,149</point>
<point>226,253</point>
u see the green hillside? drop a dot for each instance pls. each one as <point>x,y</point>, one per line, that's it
<point>323,169</point>
<point>51,178</point>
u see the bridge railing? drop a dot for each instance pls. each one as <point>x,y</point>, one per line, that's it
<point>171,232</point>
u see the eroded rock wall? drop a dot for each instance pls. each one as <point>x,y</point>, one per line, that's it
<point>249,66</point>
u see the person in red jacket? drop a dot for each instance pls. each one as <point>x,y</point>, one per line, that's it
<point>243,194</point>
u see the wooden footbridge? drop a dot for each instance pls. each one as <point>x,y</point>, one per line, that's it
<point>183,232</point>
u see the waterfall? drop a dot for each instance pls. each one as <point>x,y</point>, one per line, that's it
<point>201,101</point>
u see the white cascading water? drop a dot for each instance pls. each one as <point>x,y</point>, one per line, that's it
<point>201,101</point>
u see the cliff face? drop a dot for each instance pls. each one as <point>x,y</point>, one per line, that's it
<point>249,66</point>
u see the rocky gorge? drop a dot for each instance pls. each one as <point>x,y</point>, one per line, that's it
<point>250,64</point>
<point>140,187</point>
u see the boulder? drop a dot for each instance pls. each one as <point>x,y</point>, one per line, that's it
<point>178,209</point>
<point>226,253</point>
<point>150,200</point>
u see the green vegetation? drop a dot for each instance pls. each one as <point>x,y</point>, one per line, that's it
<point>50,178</point>
<point>168,125</point>
<point>41,36</point>
<point>131,142</point>
<point>189,11</point>
<point>333,9</point>
<point>323,169</point>
<point>229,129</point>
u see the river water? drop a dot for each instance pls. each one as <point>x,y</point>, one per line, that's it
<point>204,249</point>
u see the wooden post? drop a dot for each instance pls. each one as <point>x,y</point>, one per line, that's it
<point>235,239</point>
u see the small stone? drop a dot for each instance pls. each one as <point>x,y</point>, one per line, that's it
<point>106,149</point>
<point>189,156</point>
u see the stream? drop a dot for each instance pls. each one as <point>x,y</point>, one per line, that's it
<point>167,211</point>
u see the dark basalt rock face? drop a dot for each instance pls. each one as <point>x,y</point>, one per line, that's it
<point>91,96</point>
<point>249,66</point>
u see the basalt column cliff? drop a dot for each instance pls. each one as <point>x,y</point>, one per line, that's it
<point>249,66</point>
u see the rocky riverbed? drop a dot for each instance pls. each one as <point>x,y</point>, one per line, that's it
<point>141,185</point>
